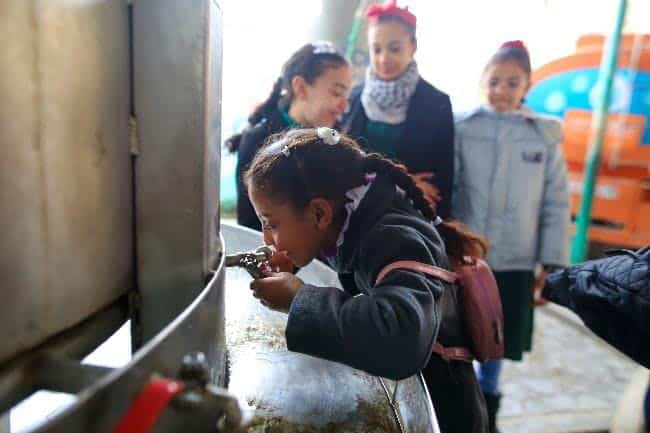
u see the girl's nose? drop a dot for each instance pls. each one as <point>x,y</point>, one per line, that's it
<point>503,88</point>
<point>268,239</point>
<point>343,105</point>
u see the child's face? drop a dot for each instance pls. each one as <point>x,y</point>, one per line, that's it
<point>300,234</point>
<point>326,99</point>
<point>391,49</point>
<point>505,85</point>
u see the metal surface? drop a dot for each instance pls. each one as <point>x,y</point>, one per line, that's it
<point>65,169</point>
<point>25,374</point>
<point>177,89</point>
<point>207,405</point>
<point>291,392</point>
<point>66,189</point>
<point>99,407</point>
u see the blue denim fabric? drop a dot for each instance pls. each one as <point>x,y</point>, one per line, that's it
<point>488,375</point>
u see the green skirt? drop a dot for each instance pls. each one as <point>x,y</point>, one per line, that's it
<point>517,301</point>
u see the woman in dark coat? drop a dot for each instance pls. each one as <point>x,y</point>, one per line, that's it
<point>399,114</point>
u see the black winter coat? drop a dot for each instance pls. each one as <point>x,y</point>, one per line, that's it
<point>612,297</point>
<point>389,330</point>
<point>252,139</point>
<point>428,141</point>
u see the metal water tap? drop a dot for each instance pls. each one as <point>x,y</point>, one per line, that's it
<point>250,260</point>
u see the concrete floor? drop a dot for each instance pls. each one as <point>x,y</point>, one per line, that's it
<point>571,382</point>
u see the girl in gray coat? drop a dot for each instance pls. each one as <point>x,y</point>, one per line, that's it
<point>510,186</point>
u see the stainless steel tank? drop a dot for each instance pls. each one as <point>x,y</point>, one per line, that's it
<point>66,210</point>
<point>109,167</point>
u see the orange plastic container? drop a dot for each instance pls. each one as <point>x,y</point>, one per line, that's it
<point>565,87</point>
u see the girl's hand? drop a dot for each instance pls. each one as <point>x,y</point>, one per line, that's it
<point>277,290</point>
<point>537,288</point>
<point>431,193</point>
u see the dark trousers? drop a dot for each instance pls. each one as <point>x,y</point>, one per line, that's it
<point>456,396</point>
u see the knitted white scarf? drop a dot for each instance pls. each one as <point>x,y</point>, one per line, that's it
<point>388,101</point>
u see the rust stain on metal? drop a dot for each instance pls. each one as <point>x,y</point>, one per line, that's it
<point>369,418</point>
<point>39,126</point>
<point>100,146</point>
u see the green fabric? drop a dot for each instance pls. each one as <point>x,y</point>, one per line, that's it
<point>517,301</point>
<point>383,137</point>
<point>288,120</point>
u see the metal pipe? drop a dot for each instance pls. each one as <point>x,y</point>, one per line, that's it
<point>60,374</point>
<point>19,378</point>
<point>250,260</point>
<point>599,126</point>
<point>357,25</point>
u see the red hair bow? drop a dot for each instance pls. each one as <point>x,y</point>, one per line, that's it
<point>375,11</point>
<point>515,44</point>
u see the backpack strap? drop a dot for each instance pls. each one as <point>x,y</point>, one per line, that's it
<point>446,353</point>
<point>453,353</point>
<point>443,274</point>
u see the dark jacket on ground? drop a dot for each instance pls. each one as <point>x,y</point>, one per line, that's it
<point>612,297</point>
<point>389,329</point>
<point>428,141</point>
<point>252,139</point>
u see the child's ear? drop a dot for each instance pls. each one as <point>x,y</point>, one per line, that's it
<point>298,85</point>
<point>322,213</point>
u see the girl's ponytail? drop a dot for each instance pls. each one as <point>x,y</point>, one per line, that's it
<point>232,143</point>
<point>374,162</point>
<point>268,105</point>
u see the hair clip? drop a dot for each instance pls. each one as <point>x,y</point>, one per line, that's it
<point>515,45</point>
<point>323,47</point>
<point>328,135</point>
<point>437,221</point>
<point>286,151</point>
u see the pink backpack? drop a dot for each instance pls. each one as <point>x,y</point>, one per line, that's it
<point>480,305</point>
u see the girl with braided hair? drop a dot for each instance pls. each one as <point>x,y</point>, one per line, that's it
<point>311,91</point>
<point>318,194</point>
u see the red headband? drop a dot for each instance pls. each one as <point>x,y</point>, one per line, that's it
<point>375,11</point>
<point>515,44</point>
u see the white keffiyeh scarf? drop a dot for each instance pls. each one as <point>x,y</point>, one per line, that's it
<point>388,101</point>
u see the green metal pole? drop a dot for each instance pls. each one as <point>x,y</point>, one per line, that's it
<point>605,79</point>
<point>353,36</point>
<point>357,25</point>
